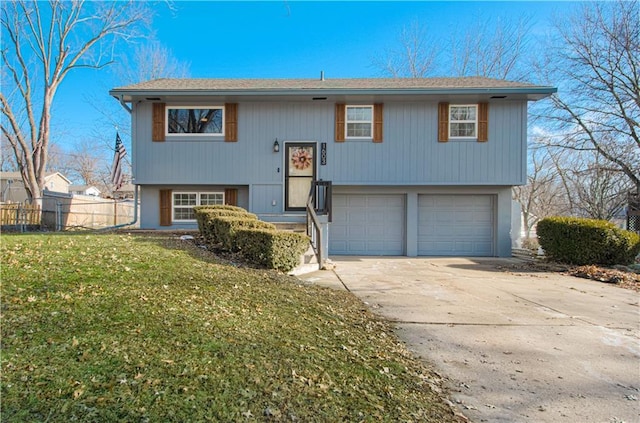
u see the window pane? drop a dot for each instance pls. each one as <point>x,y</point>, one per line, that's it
<point>183,213</point>
<point>184,199</point>
<point>194,121</point>
<point>463,129</point>
<point>463,113</point>
<point>208,199</point>
<point>359,113</point>
<point>358,129</point>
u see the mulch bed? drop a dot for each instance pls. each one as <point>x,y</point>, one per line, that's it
<point>621,277</point>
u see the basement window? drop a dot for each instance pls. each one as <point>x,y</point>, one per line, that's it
<point>184,202</point>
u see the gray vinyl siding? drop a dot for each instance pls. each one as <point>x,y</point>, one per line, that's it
<point>410,153</point>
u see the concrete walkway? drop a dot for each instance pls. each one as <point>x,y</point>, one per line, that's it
<point>515,347</point>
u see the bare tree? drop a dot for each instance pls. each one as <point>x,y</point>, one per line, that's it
<point>597,108</point>
<point>149,61</point>
<point>499,53</point>
<point>492,48</point>
<point>542,196</point>
<point>7,159</point>
<point>414,57</point>
<point>596,191</point>
<point>40,48</point>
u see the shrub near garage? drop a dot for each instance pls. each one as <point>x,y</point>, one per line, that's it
<point>586,241</point>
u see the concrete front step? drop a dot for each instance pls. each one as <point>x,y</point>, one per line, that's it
<point>308,260</point>
<point>291,226</point>
<point>308,263</point>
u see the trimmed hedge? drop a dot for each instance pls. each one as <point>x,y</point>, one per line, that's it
<point>225,229</point>
<point>206,214</point>
<point>587,241</point>
<point>220,207</point>
<point>234,229</point>
<point>279,250</point>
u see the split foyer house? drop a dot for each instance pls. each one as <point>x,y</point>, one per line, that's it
<point>415,166</point>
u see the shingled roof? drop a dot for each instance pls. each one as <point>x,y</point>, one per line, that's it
<point>314,88</point>
<point>320,84</point>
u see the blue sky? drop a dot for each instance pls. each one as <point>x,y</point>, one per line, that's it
<point>279,39</point>
<point>285,39</point>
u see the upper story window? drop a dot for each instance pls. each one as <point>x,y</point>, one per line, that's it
<point>197,120</point>
<point>463,121</point>
<point>359,121</point>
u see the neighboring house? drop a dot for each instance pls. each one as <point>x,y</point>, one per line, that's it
<point>418,166</point>
<point>88,190</point>
<point>13,190</point>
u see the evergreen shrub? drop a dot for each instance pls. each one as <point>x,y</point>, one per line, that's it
<point>273,249</point>
<point>586,241</point>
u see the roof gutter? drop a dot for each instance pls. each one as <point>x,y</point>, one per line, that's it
<point>120,99</point>
<point>336,91</point>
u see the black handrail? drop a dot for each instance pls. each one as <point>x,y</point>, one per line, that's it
<point>319,202</point>
<point>320,196</point>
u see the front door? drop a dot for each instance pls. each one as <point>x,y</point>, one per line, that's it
<point>300,171</point>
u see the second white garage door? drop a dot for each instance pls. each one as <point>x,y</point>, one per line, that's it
<point>456,225</point>
<point>367,225</point>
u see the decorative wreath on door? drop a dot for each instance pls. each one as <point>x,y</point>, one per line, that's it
<point>301,158</point>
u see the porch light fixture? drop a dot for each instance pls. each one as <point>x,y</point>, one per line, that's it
<point>276,146</point>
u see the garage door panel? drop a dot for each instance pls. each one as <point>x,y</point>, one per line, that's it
<point>339,202</point>
<point>357,232</point>
<point>460,225</point>
<point>367,225</point>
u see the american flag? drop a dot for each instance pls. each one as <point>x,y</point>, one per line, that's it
<point>117,176</point>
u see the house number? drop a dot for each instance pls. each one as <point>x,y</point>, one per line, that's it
<point>323,153</point>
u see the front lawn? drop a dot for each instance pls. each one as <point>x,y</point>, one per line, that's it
<point>150,328</point>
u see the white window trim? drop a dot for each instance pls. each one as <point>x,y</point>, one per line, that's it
<point>198,194</point>
<point>347,121</point>
<point>180,106</point>
<point>475,122</point>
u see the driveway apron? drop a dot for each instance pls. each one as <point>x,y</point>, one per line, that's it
<point>514,346</point>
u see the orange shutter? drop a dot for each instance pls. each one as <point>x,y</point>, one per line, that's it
<point>377,122</point>
<point>231,196</point>
<point>443,122</point>
<point>340,111</point>
<point>158,128</point>
<point>165,207</point>
<point>231,122</point>
<point>483,122</point>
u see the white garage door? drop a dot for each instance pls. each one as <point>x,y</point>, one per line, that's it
<point>367,225</point>
<point>455,225</point>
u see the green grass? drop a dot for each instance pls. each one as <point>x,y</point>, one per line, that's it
<point>149,328</point>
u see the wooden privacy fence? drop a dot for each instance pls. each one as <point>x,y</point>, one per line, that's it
<point>62,212</point>
<point>19,214</point>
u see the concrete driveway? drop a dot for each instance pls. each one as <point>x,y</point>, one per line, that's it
<point>514,347</point>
